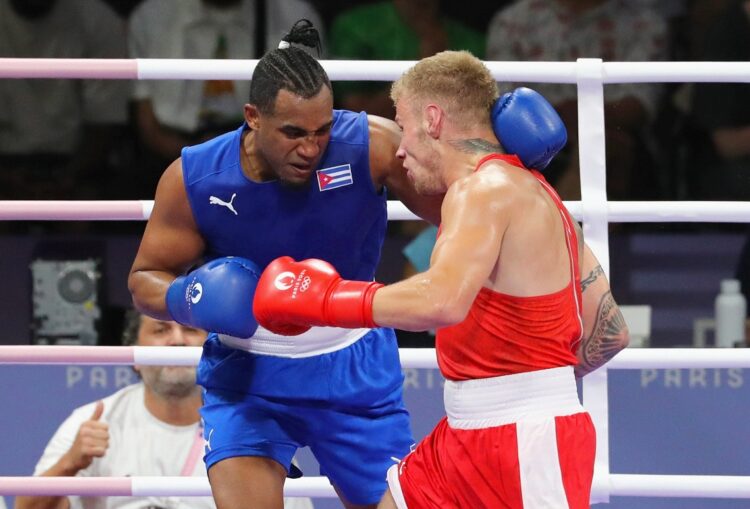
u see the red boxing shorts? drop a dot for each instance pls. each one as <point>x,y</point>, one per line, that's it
<point>516,441</point>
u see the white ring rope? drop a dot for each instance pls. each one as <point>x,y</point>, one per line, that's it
<point>617,211</point>
<point>635,485</point>
<point>368,70</point>
<point>420,358</point>
<point>589,74</point>
<point>143,486</point>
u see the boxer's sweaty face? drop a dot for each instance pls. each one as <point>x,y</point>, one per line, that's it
<point>420,159</point>
<point>294,137</point>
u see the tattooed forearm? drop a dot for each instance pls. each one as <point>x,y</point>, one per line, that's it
<point>606,339</point>
<point>593,275</point>
<point>476,146</point>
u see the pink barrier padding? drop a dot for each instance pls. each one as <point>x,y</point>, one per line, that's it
<point>68,68</point>
<point>42,354</point>
<point>60,210</point>
<point>59,486</point>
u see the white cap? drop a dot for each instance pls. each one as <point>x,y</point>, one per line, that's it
<point>730,286</point>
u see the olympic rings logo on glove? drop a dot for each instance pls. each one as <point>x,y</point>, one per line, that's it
<point>305,284</point>
<point>288,279</point>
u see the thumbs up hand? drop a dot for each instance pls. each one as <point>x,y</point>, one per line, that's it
<point>92,441</point>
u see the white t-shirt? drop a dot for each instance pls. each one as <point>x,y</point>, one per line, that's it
<point>139,445</point>
<point>47,115</point>
<point>191,32</point>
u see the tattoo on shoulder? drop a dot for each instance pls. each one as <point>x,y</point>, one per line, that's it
<point>605,339</point>
<point>593,276</point>
<point>476,146</point>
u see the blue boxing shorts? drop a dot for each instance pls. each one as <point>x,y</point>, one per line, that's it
<point>346,405</point>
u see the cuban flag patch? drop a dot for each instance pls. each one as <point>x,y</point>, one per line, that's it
<point>335,176</point>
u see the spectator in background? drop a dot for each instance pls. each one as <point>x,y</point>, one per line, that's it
<point>613,30</point>
<point>171,114</point>
<point>700,17</point>
<point>393,30</point>
<point>151,428</point>
<point>721,112</point>
<point>56,135</point>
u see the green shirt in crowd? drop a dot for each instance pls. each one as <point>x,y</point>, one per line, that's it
<point>377,32</point>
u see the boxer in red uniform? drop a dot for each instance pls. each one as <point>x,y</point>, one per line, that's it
<point>516,322</point>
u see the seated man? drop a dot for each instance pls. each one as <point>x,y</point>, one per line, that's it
<point>151,428</point>
<point>58,137</point>
<point>514,319</point>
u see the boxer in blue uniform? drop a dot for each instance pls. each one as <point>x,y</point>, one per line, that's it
<point>300,179</point>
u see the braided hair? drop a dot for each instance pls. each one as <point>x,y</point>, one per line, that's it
<point>289,68</point>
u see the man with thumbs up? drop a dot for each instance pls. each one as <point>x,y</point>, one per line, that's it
<point>151,428</point>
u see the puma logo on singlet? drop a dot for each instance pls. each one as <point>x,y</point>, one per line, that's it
<point>213,200</point>
<point>208,440</point>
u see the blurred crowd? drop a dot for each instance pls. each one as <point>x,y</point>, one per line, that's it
<point>111,139</point>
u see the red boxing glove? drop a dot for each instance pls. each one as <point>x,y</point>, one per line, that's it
<point>292,296</point>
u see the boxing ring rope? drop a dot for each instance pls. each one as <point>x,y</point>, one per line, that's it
<point>368,70</point>
<point>690,486</point>
<point>418,358</point>
<point>617,211</point>
<point>594,211</point>
<point>619,484</point>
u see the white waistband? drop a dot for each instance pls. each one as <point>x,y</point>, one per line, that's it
<point>316,341</point>
<point>489,402</point>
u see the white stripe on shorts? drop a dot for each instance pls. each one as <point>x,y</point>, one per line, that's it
<point>395,487</point>
<point>541,478</point>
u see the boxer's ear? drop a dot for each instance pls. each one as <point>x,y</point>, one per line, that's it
<point>433,120</point>
<point>252,116</point>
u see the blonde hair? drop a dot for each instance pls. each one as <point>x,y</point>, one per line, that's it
<point>458,80</point>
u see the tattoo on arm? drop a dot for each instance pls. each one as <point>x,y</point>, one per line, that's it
<point>593,275</point>
<point>476,146</point>
<point>606,337</point>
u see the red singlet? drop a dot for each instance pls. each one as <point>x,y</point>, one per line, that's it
<point>515,435</point>
<point>504,334</point>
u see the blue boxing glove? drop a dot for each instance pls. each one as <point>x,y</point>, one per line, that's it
<point>528,126</point>
<point>217,297</point>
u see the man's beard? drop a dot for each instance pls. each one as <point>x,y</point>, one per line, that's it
<point>169,382</point>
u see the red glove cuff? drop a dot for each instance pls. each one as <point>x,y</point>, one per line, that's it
<point>349,304</point>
